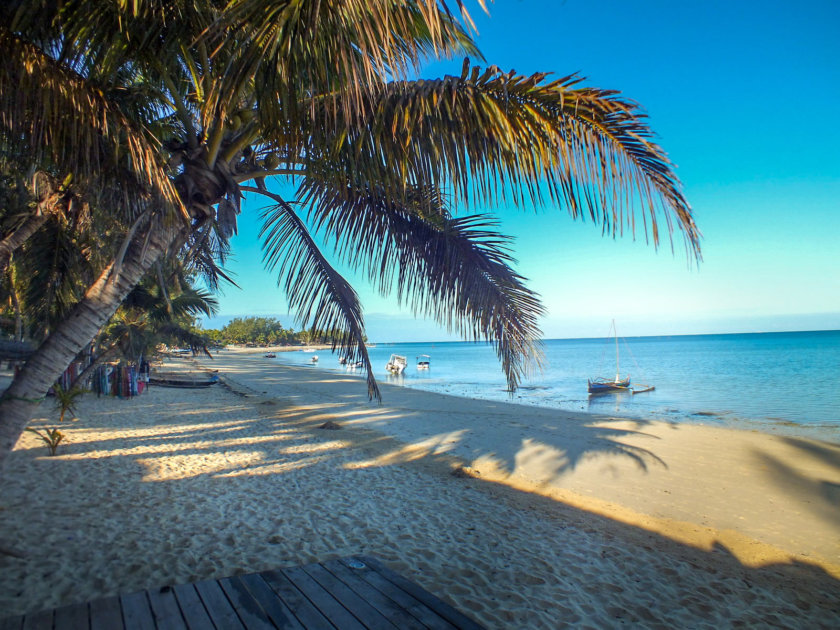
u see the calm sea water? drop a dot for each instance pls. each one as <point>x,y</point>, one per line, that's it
<point>780,381</point>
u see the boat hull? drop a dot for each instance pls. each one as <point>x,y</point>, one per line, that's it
<point>396,364</point>
<point>604,387</point>
<point>182,382</point>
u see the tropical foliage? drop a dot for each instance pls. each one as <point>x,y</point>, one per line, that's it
<point>52,437</point>
<point>265,331</point>
<point>163,111</point>
<point>152,315</point>
<point>66,400</point>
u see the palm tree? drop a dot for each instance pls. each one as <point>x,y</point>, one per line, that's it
<point>151,315</point>
<point>188,101</point>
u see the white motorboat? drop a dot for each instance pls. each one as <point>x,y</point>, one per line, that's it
<point>424,362</point>
<point>396,364</point>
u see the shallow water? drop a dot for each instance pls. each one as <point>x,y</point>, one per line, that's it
<point>774,381</point>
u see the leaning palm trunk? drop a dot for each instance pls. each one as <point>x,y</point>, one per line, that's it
<point>17,238</point>
<point>21,400</point>
<point>52,199</point>
<point>111,352</point>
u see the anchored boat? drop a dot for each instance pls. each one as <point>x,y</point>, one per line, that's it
<point>424,362</point>
<point>603,385</point>
<point>396,364</point>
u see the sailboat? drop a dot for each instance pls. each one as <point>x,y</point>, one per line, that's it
<point>603,385</point>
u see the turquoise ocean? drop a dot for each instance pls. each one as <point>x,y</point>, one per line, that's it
<point>786,382</point>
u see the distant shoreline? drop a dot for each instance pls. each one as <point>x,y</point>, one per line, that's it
<point>263,349</point>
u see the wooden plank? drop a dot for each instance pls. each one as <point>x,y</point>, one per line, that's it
<point>362,610</point>
<point>218,607</point>
<point>338,615</point>
<point>42,620</point>
<point>453,616</point>
<point>248,609</point>
<point>393,612</point>
<point>105,614</point>
<point>11,623</point>
<point>303,609</point>
<point>71,617</point>
<point>192,608</point>
<point>336,594</point>
<point>165,609</point>
<point>417,609</point>
<point>137,614</point>
<point>273,606</point>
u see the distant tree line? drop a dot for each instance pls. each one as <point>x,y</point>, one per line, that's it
<point>265,331</point>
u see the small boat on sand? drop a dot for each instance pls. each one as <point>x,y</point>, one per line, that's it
<point>396,364</point>
<point>183,380</point>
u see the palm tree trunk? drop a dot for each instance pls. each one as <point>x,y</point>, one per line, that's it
<point>18,313</point>
<point>110,352</point>
<point>27,391</point>
<point>17,238</point>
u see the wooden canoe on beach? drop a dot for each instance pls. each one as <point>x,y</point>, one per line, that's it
<point>183,380</point>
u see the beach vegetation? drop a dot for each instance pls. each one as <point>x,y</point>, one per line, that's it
<point>267,331</point>
<point>152,315</point>
<point>51,437</point>
<point>166,113</point>
<point>66,399</point>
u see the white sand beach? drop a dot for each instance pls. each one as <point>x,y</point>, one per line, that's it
<point>562,520</point>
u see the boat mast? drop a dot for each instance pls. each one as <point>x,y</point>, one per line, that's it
<point>617,370</point>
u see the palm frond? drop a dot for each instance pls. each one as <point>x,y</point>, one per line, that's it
<point>320,297</point>
<point>194,302</point>
<point>456,270</point>
<point>63,119</point>
<point>184,337</point>
<point>53,269</point>
<point>491,136</point>
<point>293,51</point>
<point>205,254</point>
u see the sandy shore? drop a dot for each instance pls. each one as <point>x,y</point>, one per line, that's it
<point>567,519</point>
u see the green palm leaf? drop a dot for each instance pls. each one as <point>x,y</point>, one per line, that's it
<point>62,118</point>
<point>347,47</point>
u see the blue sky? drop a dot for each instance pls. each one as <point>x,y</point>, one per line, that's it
<point>743,96</point>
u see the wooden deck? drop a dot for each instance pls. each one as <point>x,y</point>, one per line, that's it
<point>349,593</point>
